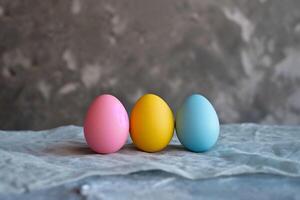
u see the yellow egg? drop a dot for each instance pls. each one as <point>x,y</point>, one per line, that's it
<point>151,123</point>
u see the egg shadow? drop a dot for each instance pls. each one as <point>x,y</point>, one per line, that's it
<point>70,148</point>
<point>175,147</point>
<point>76,148</point>
<point>73,148</point>
<point>129,148</point>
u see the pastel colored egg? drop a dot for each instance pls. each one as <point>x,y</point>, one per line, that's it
<point>106,125</point>
<point>151,123</point>
<point>197,124</point>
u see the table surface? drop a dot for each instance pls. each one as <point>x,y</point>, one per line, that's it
<point>249,162</point>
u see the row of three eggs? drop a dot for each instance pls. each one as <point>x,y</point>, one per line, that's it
<point>151,124</point>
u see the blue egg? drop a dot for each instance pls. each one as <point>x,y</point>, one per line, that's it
<point>197,124</point>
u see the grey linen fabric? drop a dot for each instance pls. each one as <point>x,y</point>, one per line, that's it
<point>31,160</point>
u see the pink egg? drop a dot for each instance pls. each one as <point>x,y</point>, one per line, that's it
<point>106,125</point>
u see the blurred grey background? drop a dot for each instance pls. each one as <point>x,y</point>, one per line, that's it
<point>57,55</point>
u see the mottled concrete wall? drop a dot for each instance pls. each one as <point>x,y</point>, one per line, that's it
<point>57,55</point>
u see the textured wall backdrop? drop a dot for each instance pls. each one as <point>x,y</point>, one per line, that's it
<point>57,55</point>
